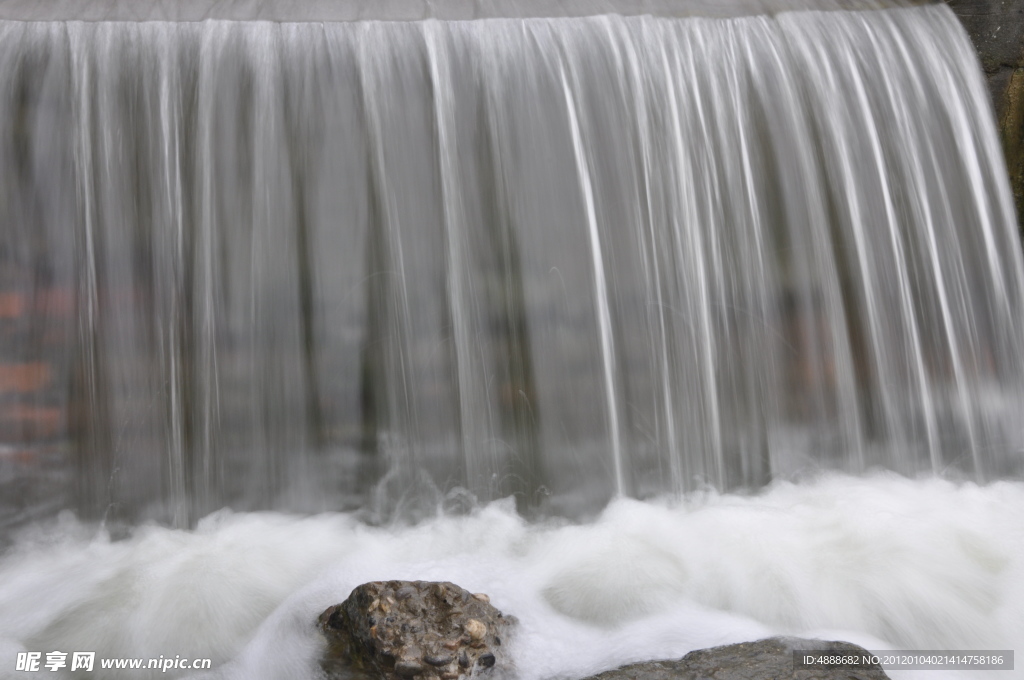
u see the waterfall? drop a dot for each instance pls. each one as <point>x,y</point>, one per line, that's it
<point>665,323</point>
<point>564,259</point>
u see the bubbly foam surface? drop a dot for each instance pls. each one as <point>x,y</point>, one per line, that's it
<point>882,561</point>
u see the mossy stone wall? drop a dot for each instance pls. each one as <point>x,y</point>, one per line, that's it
<point>997,29</point>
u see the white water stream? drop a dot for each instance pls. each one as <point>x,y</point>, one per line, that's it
<point>882,561</point>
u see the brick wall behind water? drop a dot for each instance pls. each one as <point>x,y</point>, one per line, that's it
<point>34,347</point>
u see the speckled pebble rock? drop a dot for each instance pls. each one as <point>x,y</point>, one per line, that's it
<point>414,630</point>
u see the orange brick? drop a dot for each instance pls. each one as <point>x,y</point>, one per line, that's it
<point>32,422</point>
<point>23,378</point>
<point>12,305</point>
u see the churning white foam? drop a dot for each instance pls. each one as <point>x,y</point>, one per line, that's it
<point>883,561</point>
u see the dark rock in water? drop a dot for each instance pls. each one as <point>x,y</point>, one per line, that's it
<point>770,659</point>
<point>413,629</point>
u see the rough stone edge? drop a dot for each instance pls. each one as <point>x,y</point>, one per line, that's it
<point>402,10</point>
<point>1011,134</point>
<point>694,666</point>
<point>990,25</point>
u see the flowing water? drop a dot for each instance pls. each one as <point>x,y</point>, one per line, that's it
<point>395,269</point>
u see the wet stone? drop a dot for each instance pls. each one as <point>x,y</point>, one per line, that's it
<point>408,669</point>
<point>413,630</point>
<point>769,659</point>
